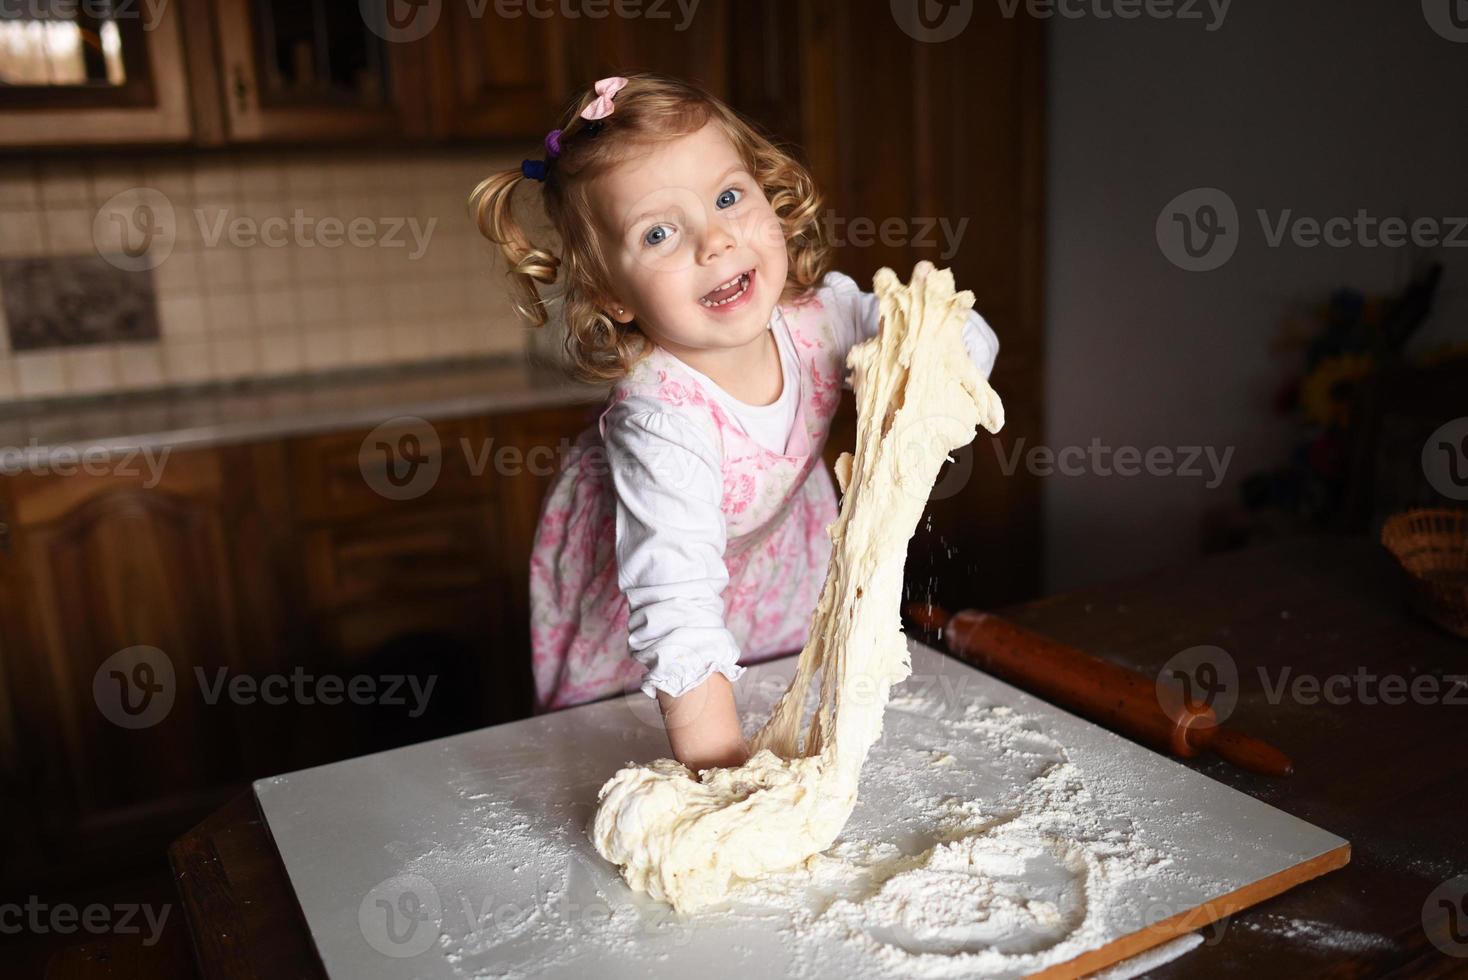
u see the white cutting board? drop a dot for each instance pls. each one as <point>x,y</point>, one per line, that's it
<point>468,856</point>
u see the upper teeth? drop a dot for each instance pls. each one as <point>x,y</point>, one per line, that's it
<point>724,285</point>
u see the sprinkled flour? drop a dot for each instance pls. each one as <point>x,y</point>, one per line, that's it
<point>1004,892</point>
<point>1318,935</point>
<point>1041,867</point>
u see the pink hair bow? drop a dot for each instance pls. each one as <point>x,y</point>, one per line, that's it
<point>601,106</point>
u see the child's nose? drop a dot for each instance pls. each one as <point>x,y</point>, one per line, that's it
<point>716,240</point>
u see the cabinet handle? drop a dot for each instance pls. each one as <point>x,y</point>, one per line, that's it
<point>241,89</point>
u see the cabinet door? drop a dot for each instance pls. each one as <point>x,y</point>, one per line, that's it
<point>690,43</point>
<point>498,73</point>
<point>413,577</point>
<point>122,590</point>
<point>506,70</point>
<point>302,70</point>
<point>413,591</point>
<point>985,179</point>
<point>101,72</point>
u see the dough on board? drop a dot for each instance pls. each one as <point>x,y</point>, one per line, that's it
<point>919,397</point>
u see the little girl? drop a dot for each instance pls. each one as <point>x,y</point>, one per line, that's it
<point>687,532</point>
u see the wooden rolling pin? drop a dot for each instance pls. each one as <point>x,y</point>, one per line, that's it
<point>1120,699</point>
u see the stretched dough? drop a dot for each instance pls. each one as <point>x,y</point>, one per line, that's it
<point>919,397</point>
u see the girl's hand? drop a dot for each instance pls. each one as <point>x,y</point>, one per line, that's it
<point>703,725</point>
<point>737,757</point>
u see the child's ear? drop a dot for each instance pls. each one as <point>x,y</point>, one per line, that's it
<point>617,311</point>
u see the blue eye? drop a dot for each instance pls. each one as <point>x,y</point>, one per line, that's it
<point>729,198</point>
<point>656,235</point>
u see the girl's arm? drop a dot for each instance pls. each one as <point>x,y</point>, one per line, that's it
<point>703,725</point>
<point>859,316</point>
<point>670,538</point>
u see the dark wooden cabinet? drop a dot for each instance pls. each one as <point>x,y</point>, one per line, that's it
<point>495,76</point>
<point>507,71</point>
<point>178,577</point>
<point>402,542</point>
<point>94,73</point>
<point>208,72</point>
<point>692,45</point>
<point>312,70</point>
<point>317,556</point>
<point>219,72</point>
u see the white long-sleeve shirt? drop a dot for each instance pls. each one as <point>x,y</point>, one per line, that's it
<point>668,476</point>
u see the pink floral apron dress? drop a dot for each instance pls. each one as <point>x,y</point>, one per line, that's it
<point>776,508</point>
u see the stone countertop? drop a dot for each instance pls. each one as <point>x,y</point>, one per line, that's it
<point>33,435</point>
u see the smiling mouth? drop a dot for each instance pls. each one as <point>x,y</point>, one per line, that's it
<point>728,292</point>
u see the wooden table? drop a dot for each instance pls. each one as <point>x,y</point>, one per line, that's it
<point>1391,778</point>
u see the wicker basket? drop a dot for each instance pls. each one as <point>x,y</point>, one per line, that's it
<point>1432,547</point>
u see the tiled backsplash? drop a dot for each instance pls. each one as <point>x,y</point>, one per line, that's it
<point>249,288</point>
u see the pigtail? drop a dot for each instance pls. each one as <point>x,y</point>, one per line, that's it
<point>797,203</point>
<point>491,206</point>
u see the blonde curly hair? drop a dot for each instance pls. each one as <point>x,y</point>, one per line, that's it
<point>650,109</point>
